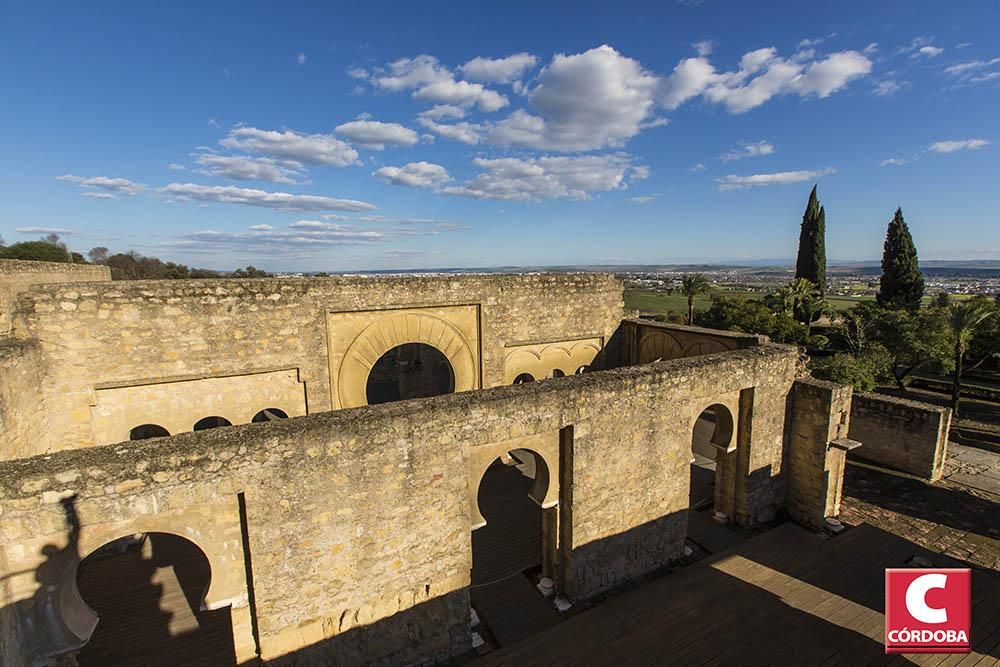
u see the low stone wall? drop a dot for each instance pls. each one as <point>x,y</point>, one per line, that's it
<point>901,434</point>
<point>359,520</point>
<point>17,276</point>
<point>644,341</point>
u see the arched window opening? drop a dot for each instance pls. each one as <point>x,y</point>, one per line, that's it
<point>556,373</point>
<point>147,591</point>
<point>524,378</point>
<point>146,431</point>
<point>711,438</point>
<point>509,552</point>
<point>211,422</point>
<point>269,415</point>
<point>411,370</point>
<point>581,370</point>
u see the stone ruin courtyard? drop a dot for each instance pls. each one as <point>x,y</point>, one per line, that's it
<point>503,469</point>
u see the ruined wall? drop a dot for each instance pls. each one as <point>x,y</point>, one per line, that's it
<point>359,520</point>
<point>141,332</point>
<point>905,435</point>
<point>22,414</point>
<point>17,275</point>
<point>818,423</point>
<point>645,341</point>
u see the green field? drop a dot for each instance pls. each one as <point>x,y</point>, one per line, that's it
<point>646,301</point>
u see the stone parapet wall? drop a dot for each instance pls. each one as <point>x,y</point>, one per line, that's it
<point>123,332</point>
<point>23,430</point>
<point>17,276</point>
<point>644,341</point>
<point>359,520</point>
<point>901,434</point>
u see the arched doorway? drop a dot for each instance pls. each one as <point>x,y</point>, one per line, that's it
<point>410,370</point>
<point>269,415</point>
<point>712,436</point>
<point>558,373</point>
<point>146,431</point>
<point>211,422</point>
<point>147,592</point>
<point>524,378</point>
<point>511,551</point>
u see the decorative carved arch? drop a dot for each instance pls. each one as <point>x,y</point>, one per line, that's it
<point>724,435</point>
<point>706,346</point>
<point>395,330</point>
<point>540,360</point>
<point>659,345</point>
<point>543,447</point>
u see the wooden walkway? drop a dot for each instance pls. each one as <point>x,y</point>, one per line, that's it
<point>786,597</point>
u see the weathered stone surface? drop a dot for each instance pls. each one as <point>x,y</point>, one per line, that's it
<point>901,434</point>
<point>17,275</point>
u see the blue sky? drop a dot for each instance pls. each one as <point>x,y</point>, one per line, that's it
<point>344,136</point>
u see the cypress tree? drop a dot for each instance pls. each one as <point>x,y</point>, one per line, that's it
<point>811,261</point>
<point>901,284</point>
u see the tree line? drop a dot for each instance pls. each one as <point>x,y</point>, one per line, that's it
<point>129,265</point>
<point>886,341</point>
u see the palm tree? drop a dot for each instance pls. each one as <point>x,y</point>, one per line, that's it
<point>965,319</point>
<point>807,301</point>
<point>693,284</point>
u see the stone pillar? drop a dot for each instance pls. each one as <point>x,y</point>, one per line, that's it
<point>816,448</point>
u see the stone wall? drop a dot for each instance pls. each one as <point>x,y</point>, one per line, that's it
<point>359,520</point>
<point>22,414</point>
<point>17,275</point>
<point>126,333</point>
<point>645,341</point>
<point>818,423</point>
<point>904,435</point>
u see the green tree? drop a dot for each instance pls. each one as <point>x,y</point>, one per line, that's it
<point>40,251</point>
<point>864,371</point>
<point>901,284</point>
<point>916,341</point>
<point>98,255</point>
<point>966,318</point>
<point>693,284</point>
<point>811,261</point>
<point>755,317</point>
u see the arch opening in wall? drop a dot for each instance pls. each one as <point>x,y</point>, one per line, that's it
<point>712,437</point>
<point>410,370</point>
<point>557,373</point>
<point>214,421</point>
<point>146,431</point>
<point>518,540</point>
<point>524,378</point>
<point>148,591</point>
<point>582,369</point>
<point>269,415</point>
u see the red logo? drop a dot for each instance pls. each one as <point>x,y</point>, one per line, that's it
<point>928,610</point>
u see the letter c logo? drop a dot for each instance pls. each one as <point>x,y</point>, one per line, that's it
<point>916,598</point>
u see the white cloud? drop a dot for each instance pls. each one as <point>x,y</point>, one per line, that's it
<point>43,230</point>
<point>733,182</point>
<point>252,197</point>
<point>547,177</point>
<point>498,70</point>
<point>704,47</point>
<point>640,172</point>
<point>806,43</point>
<point>93,194</point>
<point>747,149</point>
<point>762,75</point>
<point>173,166</point>
<point>585,101</point>
<point>243,168</point>
<point>959,145</point>
<point>376,135</point>
<point>261,228</point>
<point>888,87</point>
<point>643,199</point>
<point>467,133</point>
<point>698,167</point>
<point>301,59</point>
<point>871,49</point>
<point>279,241</point>
<point>433,82</point>
<point>440,111</point>
<point>415,175</point>
<point>963,68</point>
<point>113,186</point>
<point>928,51</point>
<point>315,149</point>
<point>896,162</point>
